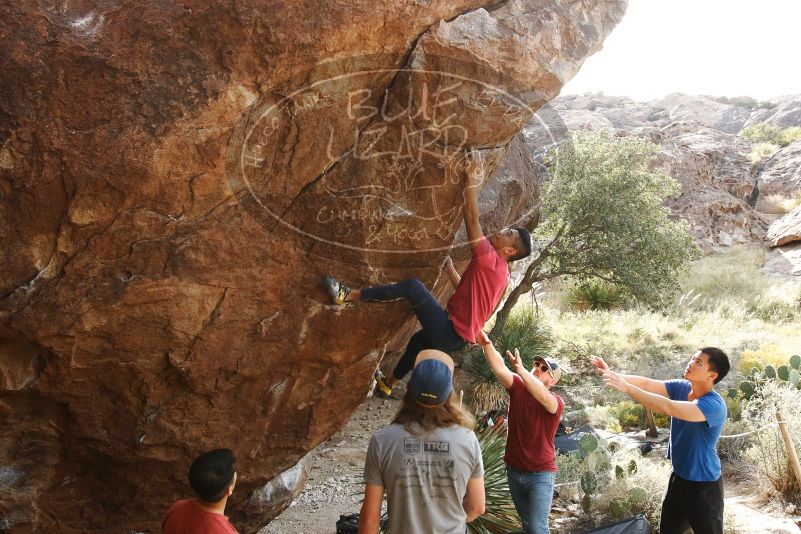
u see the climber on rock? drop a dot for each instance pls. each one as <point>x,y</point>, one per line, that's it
<point>477,294</point>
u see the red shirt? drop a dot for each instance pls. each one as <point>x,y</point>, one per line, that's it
<point>529,445</point>
<point>479,291</point>
<point>185,517</point>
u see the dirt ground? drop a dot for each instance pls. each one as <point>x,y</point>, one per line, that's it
<point>335,485</point>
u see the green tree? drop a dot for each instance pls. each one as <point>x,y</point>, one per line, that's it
<point>604,217</point>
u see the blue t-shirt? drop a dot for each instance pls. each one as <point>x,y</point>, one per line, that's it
<point>693,446</point>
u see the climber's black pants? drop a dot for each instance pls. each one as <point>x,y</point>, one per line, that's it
<point>437,332</point>
<point>696,505</point>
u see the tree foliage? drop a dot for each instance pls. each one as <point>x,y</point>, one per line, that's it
<point>604,217</point>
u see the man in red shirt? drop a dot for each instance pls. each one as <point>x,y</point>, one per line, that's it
<point>534,414</point>
<point>477,294</point>
<point>213,477</point>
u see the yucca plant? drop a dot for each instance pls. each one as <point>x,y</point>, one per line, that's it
<point>500,516</point>
<point>521,331</point>
<point>596,294</point>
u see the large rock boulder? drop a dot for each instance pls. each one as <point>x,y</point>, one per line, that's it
<point>785,112</point>
<point>785,230</point>
<point>174,181</point>
<point>779,179</point>
<point>724,117</point>
<point>717,184</point>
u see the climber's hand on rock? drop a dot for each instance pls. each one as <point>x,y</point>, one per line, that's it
<point>448,263</point>
<point>473,169</point>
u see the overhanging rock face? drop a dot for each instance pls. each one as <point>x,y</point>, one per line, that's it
<point>174,181</point>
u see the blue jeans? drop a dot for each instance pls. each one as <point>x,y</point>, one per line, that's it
<point>532,493</point>
<point>437,332</point>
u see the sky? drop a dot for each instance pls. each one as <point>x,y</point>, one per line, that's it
<point>711,47</point>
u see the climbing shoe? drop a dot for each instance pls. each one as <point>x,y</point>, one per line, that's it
<point>382,389</point>
<point>338,292</point>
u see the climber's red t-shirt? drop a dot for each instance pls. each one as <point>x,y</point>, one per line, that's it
<point>479,291</point>
<point>529,445</point>
<point>185,517</point>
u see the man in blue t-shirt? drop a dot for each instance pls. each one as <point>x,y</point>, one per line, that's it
<point>694,496</point>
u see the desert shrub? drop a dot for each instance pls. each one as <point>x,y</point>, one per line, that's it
<point>778,204</point>
<point>523,331</point>
<point>789,135</point>
<point>601,416</point>
<point>595,294</point>
<point>748,102</point>
<point>731,449</point>
<point>764,132</point>
<point>632,415</point>
<point>772,310</point>
<point>767,454</point>
<point>761,151</point>
<point>768,354</point>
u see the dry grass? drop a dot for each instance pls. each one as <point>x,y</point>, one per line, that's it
<point>778,204</point>
<point>726,302</point>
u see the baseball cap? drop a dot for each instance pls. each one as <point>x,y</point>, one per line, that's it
<point>553,367</point>
<point>432,378</point>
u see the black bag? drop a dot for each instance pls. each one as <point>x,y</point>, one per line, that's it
<point>632,525</point>
<point>349,524</point>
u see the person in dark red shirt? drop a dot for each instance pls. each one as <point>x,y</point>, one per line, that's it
<point>213,477</point>
<point>534,414</point>
<point>478,290</point>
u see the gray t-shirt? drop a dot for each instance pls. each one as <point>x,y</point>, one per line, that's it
<point>425,476</point>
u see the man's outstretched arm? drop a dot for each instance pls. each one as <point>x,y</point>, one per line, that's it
<point>648,384</point>
<point>495,361</point>
<point>473,177</point>
<point>534,385</point>
<point>684,410</point>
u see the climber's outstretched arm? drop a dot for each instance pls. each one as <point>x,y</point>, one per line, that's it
<point>473,178</point>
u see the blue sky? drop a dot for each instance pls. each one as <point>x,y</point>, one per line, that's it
<point>715,47</point>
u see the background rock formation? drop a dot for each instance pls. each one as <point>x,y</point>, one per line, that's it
<point>727,198</point>
<point>174,180</point>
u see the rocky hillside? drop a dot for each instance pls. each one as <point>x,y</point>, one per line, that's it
<point>731,194</point>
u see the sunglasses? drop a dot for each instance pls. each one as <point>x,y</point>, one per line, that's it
<point>544,368</point>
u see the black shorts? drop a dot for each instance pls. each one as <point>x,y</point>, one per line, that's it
<point>696,505</point>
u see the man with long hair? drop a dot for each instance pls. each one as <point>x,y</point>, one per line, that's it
<point>213,477</point>
<point>694,496</point>
<point>534,414</point>
<point>428,459</point>
<point>477,294</point>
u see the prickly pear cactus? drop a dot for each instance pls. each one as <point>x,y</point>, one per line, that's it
<point>589,483</point>
<point>588,443</point>
<point>748,389</point>
<point>770,372</point>
<point>783,372</point>
<point>618,507</point>
<point>586,503</point>
<point>795,361</point>
<point>638,495</point>
<point>795,378</point>
<point>620,472</point>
